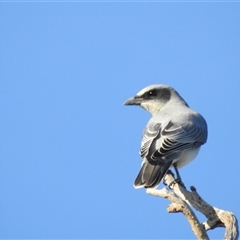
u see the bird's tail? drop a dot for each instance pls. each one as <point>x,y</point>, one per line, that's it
<point>150,175</point>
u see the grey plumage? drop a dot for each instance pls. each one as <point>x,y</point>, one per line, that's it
<point>173,136</point>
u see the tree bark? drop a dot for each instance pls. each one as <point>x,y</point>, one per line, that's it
<point>182,199</point>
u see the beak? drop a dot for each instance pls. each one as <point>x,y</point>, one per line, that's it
<point>133,101</point>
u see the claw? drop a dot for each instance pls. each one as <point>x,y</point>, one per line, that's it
<point>177,180</point>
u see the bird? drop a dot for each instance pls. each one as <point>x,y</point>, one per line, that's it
<point>172,137</point>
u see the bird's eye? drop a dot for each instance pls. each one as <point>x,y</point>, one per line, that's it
<point>152,93</point>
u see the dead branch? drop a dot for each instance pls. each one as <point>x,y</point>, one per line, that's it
<point>182,199</point>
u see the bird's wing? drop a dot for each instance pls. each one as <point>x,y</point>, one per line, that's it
<point>150,133</point>
<point>178,137</point>
<point>174,138</point>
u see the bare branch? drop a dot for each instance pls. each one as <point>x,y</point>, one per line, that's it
<point>178,205</point>
<point>182,199</point>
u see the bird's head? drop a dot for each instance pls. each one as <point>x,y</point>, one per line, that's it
<point>153,98</point>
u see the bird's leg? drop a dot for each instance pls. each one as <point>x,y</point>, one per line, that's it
<point>177,172</point>
<point>178,179</point>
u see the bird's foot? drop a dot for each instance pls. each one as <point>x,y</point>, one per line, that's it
<point>178,181</point>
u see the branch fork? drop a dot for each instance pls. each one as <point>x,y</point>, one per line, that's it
<point>182,200</point>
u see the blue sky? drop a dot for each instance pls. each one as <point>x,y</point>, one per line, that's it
<point>68,146</point>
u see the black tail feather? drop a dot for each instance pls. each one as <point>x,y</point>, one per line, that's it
<point>150,175</point>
